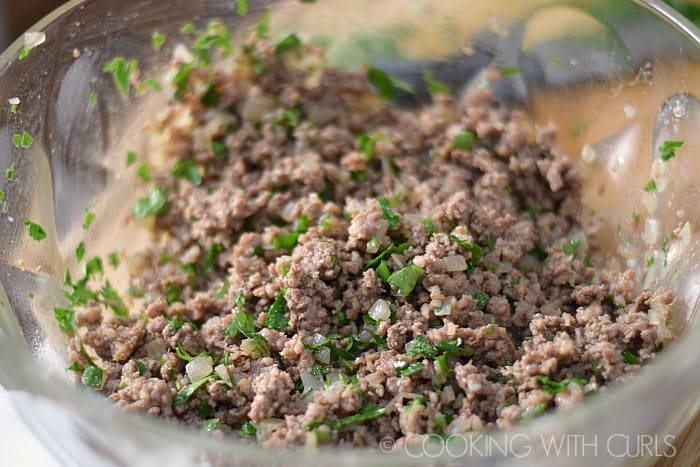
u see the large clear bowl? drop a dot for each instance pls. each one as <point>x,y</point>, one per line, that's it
<point>600,70</point>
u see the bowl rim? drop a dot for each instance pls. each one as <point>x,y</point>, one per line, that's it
<point>64,394</point>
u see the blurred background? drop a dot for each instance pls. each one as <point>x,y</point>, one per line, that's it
<point>18,15</point>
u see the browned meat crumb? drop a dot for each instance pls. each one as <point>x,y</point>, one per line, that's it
<point>273,269</point>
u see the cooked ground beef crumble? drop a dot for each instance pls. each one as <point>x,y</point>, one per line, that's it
<point>327,268</point>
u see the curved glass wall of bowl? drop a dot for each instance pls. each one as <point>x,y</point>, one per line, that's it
<point>588,66</point>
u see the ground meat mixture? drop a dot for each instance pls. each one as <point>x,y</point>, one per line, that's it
<point>328,268</point>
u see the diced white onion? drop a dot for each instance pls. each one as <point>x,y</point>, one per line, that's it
<point>398,261</point>
<point>256,106</point>
<point>413,219</point>
<point>651,232</point>
<point>288,212</point>
<point>182,54</point>
<point>588,154</point>
<point>380,310</point>
<point>250,347</point>
<point>446,308</point>
<point>34,39</point>
<point>650,203</point>
<point>323,355</point>
<point>310,381</point>
<point>267,425</point>
<point>314,339</point>
<point>155,348</point>
<point>199,368</point>
<point>222,371</point>
<point>364,336</point>
<point>455,263</point>
<point>685,233</point>
<point>13,101</point>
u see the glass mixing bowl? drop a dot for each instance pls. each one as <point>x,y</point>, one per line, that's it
<point>616,77</point>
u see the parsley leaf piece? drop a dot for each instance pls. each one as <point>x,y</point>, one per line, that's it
<point>482,300</point>
<point>10,172</point>
<point>387,86</point>
<point>212,255</point>
<point>241,323</point>
<point>650,186</point>
<point>572,246</point>
<point>290,42</point>
<point>455,348</point>
<point>383,271</point>
<point>153,204</point>
<point>92,99</point>
<point>223,291</point>
<point>175,323</point>
<point>289,240</point>
<point>130,158</point>
<point>219,148</point>
<point>263,27</point>
<point>35,230</point>
<point>210,425</point>
<point>141,367</point>
<point>532,411</point>
<point>242,7</point>
<point>92,268</point>
<point>22,140</point>
<point>172,293</point>
<point>181,79</point>
<point>144,173</point>
<point>248,429</point>
<point>153,84</point>
<point>182,397</point>
<point>211,96</point>
<point>121,70</point>
<point>405,279</point>
<point>64,318</point>
<point>629,357</point>
<point>187,169</point>
<point>111,298</point>
<point>88,220</point>
<point>555,387</point>
<point>392,248</point>
<point>408,370</point>
<point>80,251</point>
<point>387,213</point>
<point>463,140</point>
<point>434,87</point>
<point>275,318</point>
<point>157,40</point>
<point>368,412</point>
<point>113,259</point>
<point>429,226</point>
<point>668,149</point>
<point>93,376</point>
<point>508,71</point>
<point>421,348</point>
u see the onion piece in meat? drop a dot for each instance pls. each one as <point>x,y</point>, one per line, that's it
<point>323,355</point>
<point>222,371</point>
<point>455,263</point>
<point>446,308</point>
<point>310,381</point>
<point>199,368</point>
<point>380,310</point>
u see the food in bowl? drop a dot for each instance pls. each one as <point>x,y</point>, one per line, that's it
<point>329,268</point>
